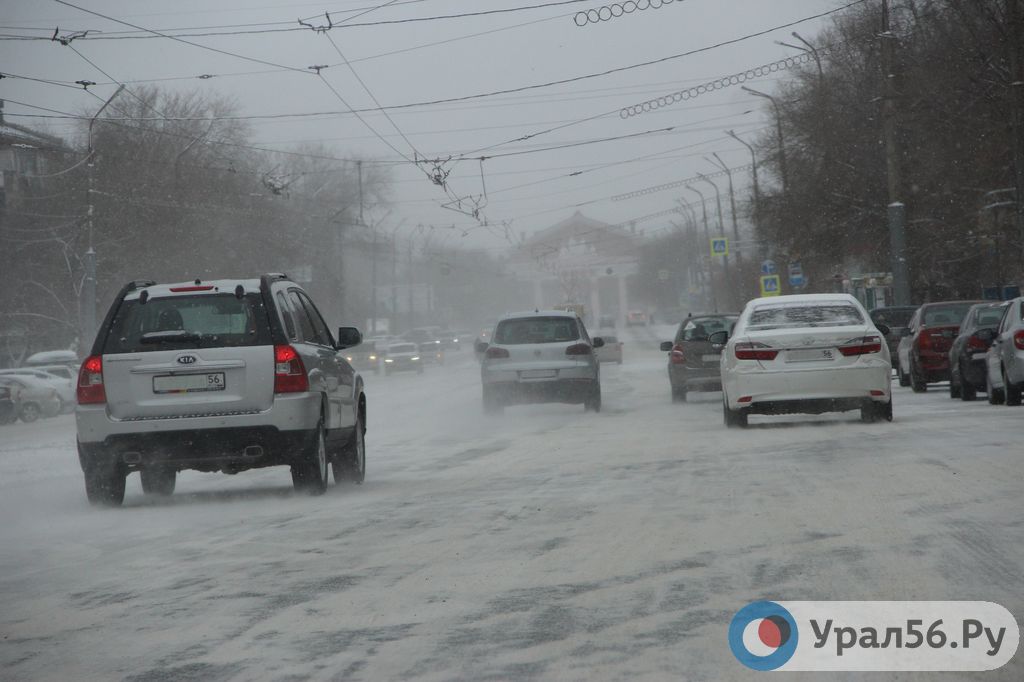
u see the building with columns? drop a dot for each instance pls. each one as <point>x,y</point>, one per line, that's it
<point>580,261</point>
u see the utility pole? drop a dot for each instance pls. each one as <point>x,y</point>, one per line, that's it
<point>757,189</point>
<point>896,209</point>
<point>721,231</point>
<point>1016,26</point>
<point>707,246</point>
<point>735,224</point>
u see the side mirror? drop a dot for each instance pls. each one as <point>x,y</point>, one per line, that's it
<point>719,339</point>
<point>348,337</point>
<point>598,342</point>
<point>480,346</point>
<point>666,346</point>
<point>883,329</point>
<point>905,332</point>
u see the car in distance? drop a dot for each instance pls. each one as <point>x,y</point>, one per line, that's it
<point>1005,359</point>
<point>430,348</point>
<point>611,351</point>
<point>364,357</point>
<point>896,318</point>
<point>636,318</point>
<point>808,353</point>
<point>693,361</point>
<point>540,357</point>
<point>222,375</point>
<point>37,397</point>
<point>967,366</point>
<point>925,342</point>
<point>64,386</point>
<point>402,357</point>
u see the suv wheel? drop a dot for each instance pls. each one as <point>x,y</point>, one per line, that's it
<point>158,480</point>
<point>104,484</point>
<point>350,463</point>
<point>309,471</point>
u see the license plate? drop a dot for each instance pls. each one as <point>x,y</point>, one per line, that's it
<point>811,355</point>
<point>711,358</point>
<point>538,374</point>
<point>188,383</point>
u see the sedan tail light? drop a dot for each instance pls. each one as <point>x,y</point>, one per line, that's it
<point>289,372</point>
<point>579,349</point>
<point>90,382</point>
<point>1018,339</point>
<point>974,343</point>
<point>677,356</point>
<point>752,350</point>
<point>862,346</point>
<point>496,353</point>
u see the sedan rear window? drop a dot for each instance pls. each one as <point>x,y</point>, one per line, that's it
<point>805,315</point>
<point>536,330</point>
<point>178,322</point>
<point>946,314</point>
<point>700,328</point>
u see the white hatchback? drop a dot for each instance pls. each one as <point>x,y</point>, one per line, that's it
<point>810,353</point>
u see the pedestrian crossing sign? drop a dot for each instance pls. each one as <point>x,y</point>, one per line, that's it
<point>720,246</point>
<point>771,285</point>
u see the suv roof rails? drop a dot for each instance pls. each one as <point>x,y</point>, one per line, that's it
<point>138,284</point>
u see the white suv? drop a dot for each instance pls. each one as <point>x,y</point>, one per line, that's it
<point>222,375</point>
<point>540,357</point>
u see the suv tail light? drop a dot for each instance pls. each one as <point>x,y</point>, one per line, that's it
<point>289,372</point>
<point>752,350</point>
<point>90,382</point>
<point>579,349</point>
<point>862,346</point>
<point>1018,339</point>
<point>496,353</point>
<point>677,356</point>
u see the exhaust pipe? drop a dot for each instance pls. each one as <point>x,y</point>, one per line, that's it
<point>252,451</point>
<point>132,457</point>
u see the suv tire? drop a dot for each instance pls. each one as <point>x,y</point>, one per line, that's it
<point>158,480</point>
<point>309,471</point>
<point>105,483</point>
<point>350,462</point>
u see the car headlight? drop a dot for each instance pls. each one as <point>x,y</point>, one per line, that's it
<point>349,358</point>
<point>389,360</point>
<point>415,358</point>
<point>373,357</point>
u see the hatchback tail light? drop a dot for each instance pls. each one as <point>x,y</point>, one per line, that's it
<point>579,349</point>
<point>1018,339</point>
<point>496,353</point>
<point>677,356</point>
<point>752,350</point>
<point>289,372</point>
<point>90,382</point>
<point>862,346</point>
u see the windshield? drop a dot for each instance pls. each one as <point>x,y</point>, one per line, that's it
<point>536,330</point>
<point>805,315</point>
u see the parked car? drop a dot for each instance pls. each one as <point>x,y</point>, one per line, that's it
<point>896,318</point>
<point>430,348</point>
<point>611,351</point>
<point>64,387</point>
<point>540,357</point>
<point>967,366</point>
<point>403,357</point>
<point>37,398</point>
<point>364,357</point>
<point>693,361</point>
<point>9,404</point>
<point>69,372</point>
<point>925,342</point>
<point>1005,359</point>
<point>636,318</point>
<point>809,353</point>
<point>53,357</point>
<point>224,375</point>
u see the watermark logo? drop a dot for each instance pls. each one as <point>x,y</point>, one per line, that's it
<point>874,636</point>
<point>763,635</point>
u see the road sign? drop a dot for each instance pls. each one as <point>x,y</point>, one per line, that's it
<point>720,246</point>
<point>770,285</point>
<point>768,267</point>
<point>796,275</point>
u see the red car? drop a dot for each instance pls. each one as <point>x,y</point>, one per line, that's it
<point>926,341</point>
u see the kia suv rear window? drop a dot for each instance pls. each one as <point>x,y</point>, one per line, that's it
<point>806,315</point>
<point>536,330</point>
<point>179,322</point>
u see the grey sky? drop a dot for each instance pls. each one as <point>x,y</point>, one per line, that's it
<point>521,49</point>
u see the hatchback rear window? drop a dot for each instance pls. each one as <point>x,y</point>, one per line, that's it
<point>700,328</point>
<point>179,322</point>
<point>536,330</point>
<point>806,315</point>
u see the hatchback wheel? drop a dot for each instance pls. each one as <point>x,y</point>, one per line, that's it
<point>1011,390</point>
<point>309,472</point>
<point>492,403</point>
<point>593,401</point>
<point>158,480</point>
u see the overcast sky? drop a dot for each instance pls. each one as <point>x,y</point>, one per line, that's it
<point>450,58</point>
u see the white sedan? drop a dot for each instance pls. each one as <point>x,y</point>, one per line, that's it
<point>811,354</point>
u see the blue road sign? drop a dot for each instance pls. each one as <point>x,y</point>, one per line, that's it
<point>768,267</point>
<point>720,246</point>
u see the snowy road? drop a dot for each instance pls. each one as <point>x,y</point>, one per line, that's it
<point>543,544</point>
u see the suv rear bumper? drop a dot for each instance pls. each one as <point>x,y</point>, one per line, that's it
<point>556,391</point>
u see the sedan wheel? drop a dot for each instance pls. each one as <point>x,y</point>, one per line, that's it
<point>995,395</point>
<point>1011,390</point>
<point>917,385</point>
<point>29,412</point>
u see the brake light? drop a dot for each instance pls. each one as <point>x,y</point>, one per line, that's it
<point>289,372</point>
<point>974,343</point>
<point>752,350</point>
<point>579,349</point>
<point>204,287</point>
<point>90,382</point>
<point>1018,339</point>
<point>923,341</point>
<point>862,346</point>
<point>495,353</point>
<point>677,356</point>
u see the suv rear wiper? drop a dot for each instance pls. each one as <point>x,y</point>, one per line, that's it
<point>172,336</point>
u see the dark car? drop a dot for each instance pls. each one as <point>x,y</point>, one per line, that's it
<point>896,318</point>
<point>693,363</point>
<point>967,356</point>
<point>925,343</point>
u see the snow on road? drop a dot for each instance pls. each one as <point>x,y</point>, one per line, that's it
<point>543,544</point>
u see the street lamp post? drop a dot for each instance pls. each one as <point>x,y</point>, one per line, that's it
<point>721,231</point>
<point>782,143</point>
<point>735,223</point>
<point>707,245</point>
